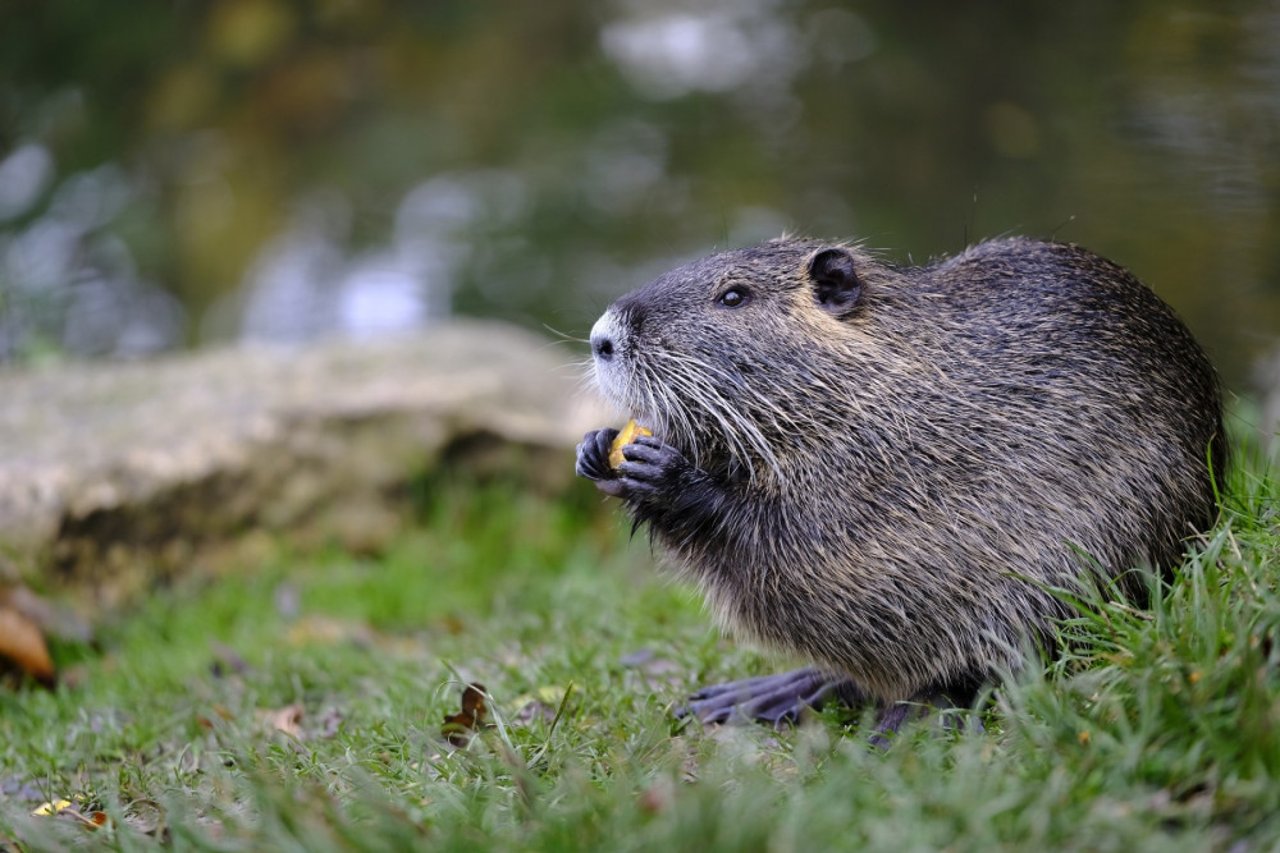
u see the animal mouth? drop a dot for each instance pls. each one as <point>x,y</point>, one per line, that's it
<point>618,385</point>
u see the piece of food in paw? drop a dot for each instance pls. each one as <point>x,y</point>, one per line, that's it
<point>626,435</point>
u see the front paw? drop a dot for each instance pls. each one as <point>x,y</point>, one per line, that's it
<point>651,471</point>
<point>593,456</point>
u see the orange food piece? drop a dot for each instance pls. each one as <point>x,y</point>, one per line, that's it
<point>626,435</point>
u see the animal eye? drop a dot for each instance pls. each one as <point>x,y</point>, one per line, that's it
<point>734,297</point>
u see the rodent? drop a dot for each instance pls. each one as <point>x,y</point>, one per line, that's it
<point>892,472</point>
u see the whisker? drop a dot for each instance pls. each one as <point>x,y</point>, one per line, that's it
<point>692,379</point>
<point>564,336</point>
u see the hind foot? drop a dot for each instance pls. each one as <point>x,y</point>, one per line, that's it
<point>777,700</point>
<point>772,699</point>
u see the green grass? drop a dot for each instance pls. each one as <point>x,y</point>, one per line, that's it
<point>1159,729</point>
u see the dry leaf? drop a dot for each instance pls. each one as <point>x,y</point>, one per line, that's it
<point>287,719</point>
<point>542,704</point>
<point>459,728</point>
<point>22,643</point>
<point>453,624</point>
<point>66,809</point>
<point>206,721</point>
<point>51,808</point>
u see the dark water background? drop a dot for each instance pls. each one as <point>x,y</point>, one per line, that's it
<point>179,173</point>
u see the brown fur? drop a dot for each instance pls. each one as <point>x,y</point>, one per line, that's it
<point>895,486</point>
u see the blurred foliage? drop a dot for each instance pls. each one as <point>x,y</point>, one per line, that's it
<point>188,171</point>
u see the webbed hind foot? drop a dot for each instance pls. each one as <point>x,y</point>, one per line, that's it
<point>773,699</point>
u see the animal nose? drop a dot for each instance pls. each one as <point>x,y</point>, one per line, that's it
<point>602,346</point>
<point>606,337</point>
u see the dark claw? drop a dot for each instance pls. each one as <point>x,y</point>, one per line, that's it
<point>781,699</point>
<point>593,455</point>
<point>652,450</point>
<point>652,468</point>
<point>636,452</point>
<point>772,699</point>
<point>743,686</point>
<point>888,721</point>
<point>604,443</point>
<point>633,488</point>
<point>640,471</point>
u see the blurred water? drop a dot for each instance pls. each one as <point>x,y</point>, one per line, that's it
<point>282,171</point>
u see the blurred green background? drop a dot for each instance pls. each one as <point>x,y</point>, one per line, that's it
<point>178,173</point>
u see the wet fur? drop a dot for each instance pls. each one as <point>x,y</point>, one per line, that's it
<point>891,490</point>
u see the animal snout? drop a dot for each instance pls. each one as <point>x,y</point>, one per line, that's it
<point>606,337</point>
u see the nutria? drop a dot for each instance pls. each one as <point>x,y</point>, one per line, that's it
<point>896,472</point>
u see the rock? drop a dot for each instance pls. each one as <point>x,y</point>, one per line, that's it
<point>110,474</point>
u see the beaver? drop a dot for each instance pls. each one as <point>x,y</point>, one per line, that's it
<point>901,474</point>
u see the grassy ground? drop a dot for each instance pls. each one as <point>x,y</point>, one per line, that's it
<point>299,706</point>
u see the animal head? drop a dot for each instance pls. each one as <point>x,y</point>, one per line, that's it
<point>713,354</point>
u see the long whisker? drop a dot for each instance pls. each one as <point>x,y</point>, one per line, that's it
<point>693,380</point>
<point>564,336</point>
<point>778,416</point>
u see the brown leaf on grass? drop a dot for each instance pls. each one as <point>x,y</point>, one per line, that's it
<point>293,720</point>
<point>52,807</point>
<point>22,644</point>
<point>453,625</point>
<point>219,712</point>
<point>459,728</point>
<point>287,720</point>
<point>67,810</point>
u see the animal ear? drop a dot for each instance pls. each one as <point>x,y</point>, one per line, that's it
<point>836,285</point>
